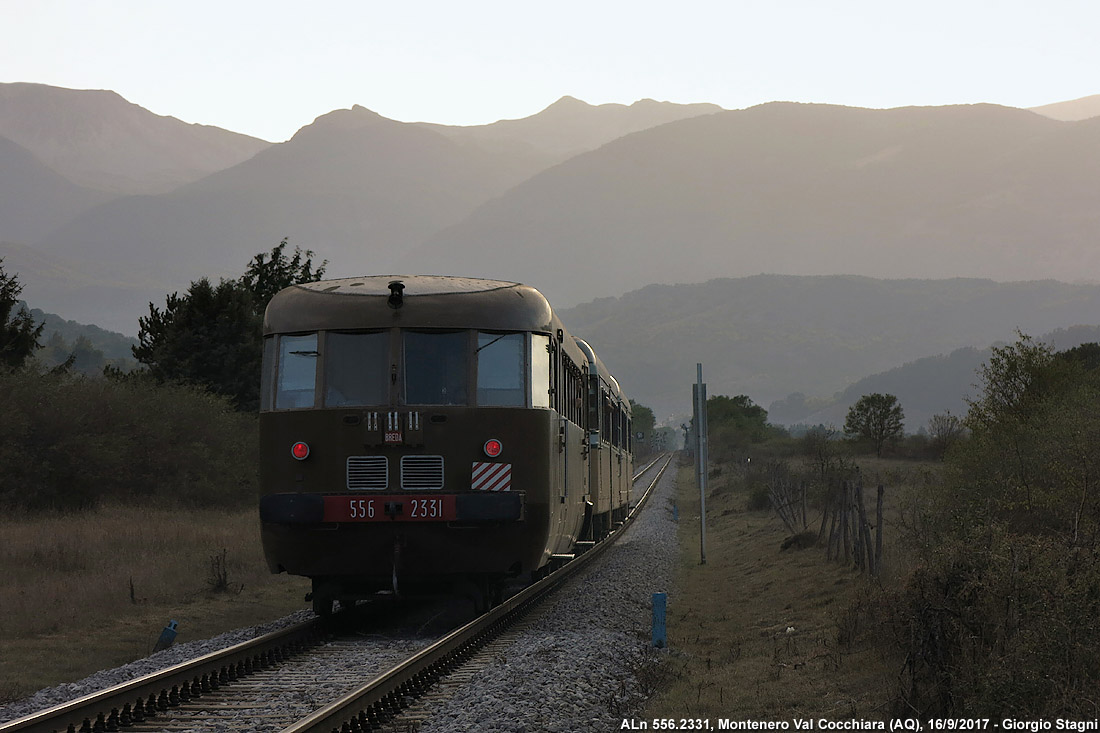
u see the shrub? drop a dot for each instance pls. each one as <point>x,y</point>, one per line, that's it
<point>1008,630</point>
<point>71,442</point>
<point>1000,617</point>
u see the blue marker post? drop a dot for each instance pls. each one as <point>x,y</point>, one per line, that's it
<point>660,636</point>
<point>167,636</point>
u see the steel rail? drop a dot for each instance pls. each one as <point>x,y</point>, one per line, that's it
<point>385,695</point>
<point>117,706</point>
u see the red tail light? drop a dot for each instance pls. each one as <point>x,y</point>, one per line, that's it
<point>493,447</point>
<point>299,450</point>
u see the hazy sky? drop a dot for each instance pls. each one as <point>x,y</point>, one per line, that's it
<point>268,68</point>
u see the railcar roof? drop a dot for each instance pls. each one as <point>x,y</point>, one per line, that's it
<point>427,301</point>
<point>415,285</point>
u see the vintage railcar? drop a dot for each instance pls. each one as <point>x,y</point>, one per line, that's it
<point>428,435</point>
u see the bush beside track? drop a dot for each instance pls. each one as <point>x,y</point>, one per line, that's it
<point>70,443</point>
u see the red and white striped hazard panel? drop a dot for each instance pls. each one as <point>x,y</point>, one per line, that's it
<point>491,477</point>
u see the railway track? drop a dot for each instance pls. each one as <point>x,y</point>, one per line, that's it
<point>275,670</point>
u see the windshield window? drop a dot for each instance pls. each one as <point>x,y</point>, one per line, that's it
<point>356,369</point>
<point>500,370</point>
<point>436,368</point>
<point>297,371</point>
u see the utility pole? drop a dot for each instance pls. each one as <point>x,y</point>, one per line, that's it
<point>699,404</point>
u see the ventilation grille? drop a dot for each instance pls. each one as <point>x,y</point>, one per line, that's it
<point>368,472</point>
<point>422,472</point>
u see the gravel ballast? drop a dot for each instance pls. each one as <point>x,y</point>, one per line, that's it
<point>575,668</point>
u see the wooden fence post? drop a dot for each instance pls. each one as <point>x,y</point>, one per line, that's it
<point>878,532</point>
<point>844,522</point>
<point>865,531</point>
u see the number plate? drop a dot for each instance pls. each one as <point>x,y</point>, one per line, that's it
<point>391,508</point>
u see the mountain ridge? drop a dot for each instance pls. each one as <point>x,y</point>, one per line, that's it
<point>768,336</point>
<point>801,189</point>
<point>571,126</point>
<point>100,140</point>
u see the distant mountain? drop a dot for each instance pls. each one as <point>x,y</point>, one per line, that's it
<point>929,386</point>
<point>768,336</point>
<point>354,186</point>
<point>569,127</point>
<point>35,199</point>
<point>1073,110</point>
<point>91,348</point>
<point>785,188</point>
<point>99,140</point>
<point>115,346</point>
<point>801,189</point>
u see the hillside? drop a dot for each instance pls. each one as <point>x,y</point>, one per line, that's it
<point>924,387</point>
<point>768,336</point>
<point>34,198</point>
<point>97,139</point>
<point>975,191</point>
<point>358,188</point>
<point>354,186</point>
<point>1073,110</point>
<point>84,290</point>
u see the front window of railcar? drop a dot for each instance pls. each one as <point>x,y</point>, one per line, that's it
<point>297,371</point>
<point>356,369</point>
<point>541,360</point>
<point>500,370</point>
<point>436,371</point>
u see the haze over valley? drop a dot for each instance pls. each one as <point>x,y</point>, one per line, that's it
<point>890,235</point>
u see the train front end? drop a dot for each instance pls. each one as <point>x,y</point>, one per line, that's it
<point>407,438</point>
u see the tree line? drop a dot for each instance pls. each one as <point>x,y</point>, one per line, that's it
<point>180,430</point>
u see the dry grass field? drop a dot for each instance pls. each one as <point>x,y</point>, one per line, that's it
<point>85,591</point>
<point>761,633</point>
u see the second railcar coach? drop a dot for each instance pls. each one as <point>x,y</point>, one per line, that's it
<point>427,434</point>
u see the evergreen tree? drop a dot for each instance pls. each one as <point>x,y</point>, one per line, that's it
<point>267,274</point>
<point>18,334</point>
<point>211,335</point>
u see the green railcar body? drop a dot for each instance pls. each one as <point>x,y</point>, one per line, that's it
<point>428,434</point>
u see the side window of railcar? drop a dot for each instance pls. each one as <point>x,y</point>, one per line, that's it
<point>436,368</point>
<point>541,358</point>
<point>356,369</point>
<point>297,371</point>
<point>572,401</point>
<point>500,370</point>
<point>605,424</point>
<point>267,371</point>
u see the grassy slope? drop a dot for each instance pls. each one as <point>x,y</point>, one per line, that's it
<point>66,599</point>
<point>731,654</point>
